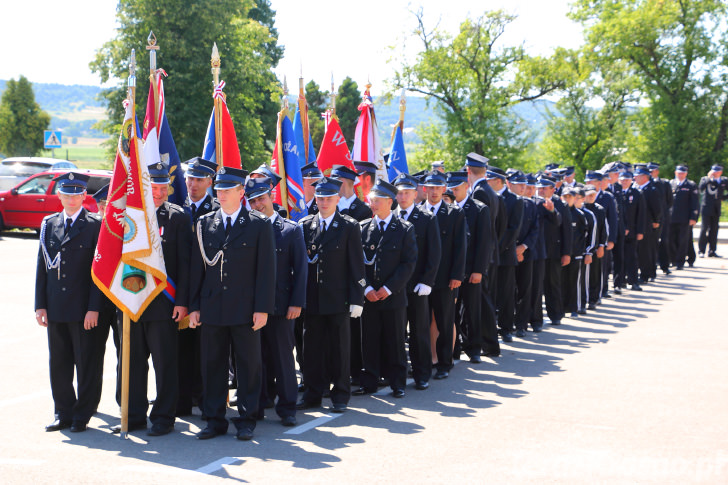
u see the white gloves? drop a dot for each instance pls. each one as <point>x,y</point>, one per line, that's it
<point>355,310</point>
<point>422,289</point>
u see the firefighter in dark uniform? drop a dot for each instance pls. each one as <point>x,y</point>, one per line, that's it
<point>155,333</point>
<point>507,259</point>
<point>265,171</point>
<point>594,276</point>
<point>451,272</point>
<point>420,284</point>
<point>547,214</point>
<point>713,190</point>
<point>350,205</point>
<point>557,236</point>
<point>647,247</point>
<point>468,316</point>
<point>334,294</point>
<point>390,253</point>
<point>232,292</point>
<point>277,336</point>
<point>612,185</point>
<point>664,248</point>
<point>198,180</point>
<point>67,303</point>
<point>634,217</point>
<point>571,282</point>
<point>684,214</point>
<point>525,244</point>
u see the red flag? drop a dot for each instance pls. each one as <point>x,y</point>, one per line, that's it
<point>333,149</point>
<point>230,150</point>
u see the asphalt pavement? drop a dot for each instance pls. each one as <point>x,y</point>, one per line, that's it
<point>634,392</point>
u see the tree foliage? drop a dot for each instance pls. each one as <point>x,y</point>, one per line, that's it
<point>22,122</point>
<point>186,31</point>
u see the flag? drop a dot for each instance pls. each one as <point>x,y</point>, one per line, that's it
<point>304,156</point>
<point>230,150</point>
<point>367,147</point>
<point>287,150</point>
<point>397,155</point>
<point>128,264</point>
<point>158,142</point>
<point>335,152</point>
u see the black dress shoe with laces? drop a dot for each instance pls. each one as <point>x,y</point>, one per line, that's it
<point>209,433</point>
<point>398,393</point>
<point>442,374</point>
<point>58,425</point>
<point>244,434</point>
<point>338,407</point>
<point>422,385</point>
<point>78,427</point>
<point>159,429</point>
<point>288,421</point>
<point>303,404</point>
<point>363,391</point>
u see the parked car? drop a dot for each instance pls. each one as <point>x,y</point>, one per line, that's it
<point>16,169</point>
<point>26,204</point>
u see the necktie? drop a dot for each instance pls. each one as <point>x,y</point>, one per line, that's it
<point>403,214</point>
<point>193,209</point>
<point>323,226</point>
<point>228,225</point>
<point>381,227</point>
<point>69,221</point>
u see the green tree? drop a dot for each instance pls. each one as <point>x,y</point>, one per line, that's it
<point>348,99</point>
<point>186,32</point>
<point>678,51</point>
<point>474,81</point>
<point>21,120</point>
<point>317,104</point>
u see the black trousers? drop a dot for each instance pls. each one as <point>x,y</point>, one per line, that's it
<point>157,338</point>
<point>647,254</point>
<point>664,250</point>
<point>489,318</point>
<point>594,278</point>
<point>277,342</point>
<point>355,352</point>
<point>383,346</point>
<point>537,285</point>
<point>298,334</point>
<point>215,341</point>
<point>442,302</point>
<point>70,348</point>
<point>189,369</point>
<point>583,286</point>
<point>552,289</point>
<point>506,300</point>
<point>107,321</point>
<point>607,269</point>
<point>571,285</point>
<point>631,261</point>
<point>420,353</point>
<point>618,261</point>
<point>709,229</point>
<point>691,251</point>
<point>524,303</point>
<point>680,237</point>
<point>326,346</point>
<point>469,316</point>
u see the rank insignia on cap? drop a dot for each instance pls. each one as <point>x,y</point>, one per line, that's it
<point>70,176</point>
<point>222,170</point>
<point>159,166</point>
<point>251,183</point>
<point>363,282</point>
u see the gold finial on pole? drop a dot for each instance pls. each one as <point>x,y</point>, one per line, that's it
<point>217,101</point>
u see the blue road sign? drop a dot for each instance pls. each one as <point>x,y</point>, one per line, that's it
<point>52,139</point>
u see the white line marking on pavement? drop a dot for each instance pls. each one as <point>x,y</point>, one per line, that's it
<point>217,464</point>
<point>19,461</point>
<point>312,424</point>
<point>35,395</point>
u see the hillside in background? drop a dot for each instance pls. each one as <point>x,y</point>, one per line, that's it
<point>75,109</point>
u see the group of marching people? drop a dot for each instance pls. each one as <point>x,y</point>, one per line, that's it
<point>362,292</point>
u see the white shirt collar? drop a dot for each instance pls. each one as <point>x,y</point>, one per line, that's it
<point>408,210</point>
<point>644,185</point>
<point>232,216</point>
<point>73,216</point>
<point>198,203</point>
<point>272,218</point>
<point>346,203</point>
<point>433,208</point>
<point>462,202</point>
<point>500,192</point>
<point>327,220</point>
<point>386,220</point>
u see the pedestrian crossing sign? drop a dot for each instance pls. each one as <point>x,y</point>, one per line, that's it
<point>52,139</point>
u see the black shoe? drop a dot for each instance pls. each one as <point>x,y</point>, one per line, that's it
<point>132,427</point>
<point>666,271</point>
<point>288,421</point>
<point>183,413</point>
<point>245,434</point>
<point>636,287</point>
<point>592,306</point>
<point>442,374</point>
<point>555,322</point>
<point>521,333</point>
<point>713,254</point>
<point>691,264</point>
<point>302,387</point>
<point>209,433</point>
<point>338,407</point>
<point>303,404</point>
<point>617,291</point>
<point>383,382</point>
<point>398,393</point>
<point>492,353</point>
<point>422,385</point>
<point>363,391</point>
<point>507,337</point>
<point>606,295</point>
<point>159,429</point>
<point>679,267</point>
<point>475,359</point>
<point>78,427</point>
<point>574,315</point>
<point>581,312</point>
<point>58,425</point>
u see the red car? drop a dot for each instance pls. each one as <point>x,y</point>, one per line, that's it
<point>26,204</point>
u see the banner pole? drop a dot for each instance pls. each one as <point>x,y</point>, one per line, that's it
<point>125,353</point>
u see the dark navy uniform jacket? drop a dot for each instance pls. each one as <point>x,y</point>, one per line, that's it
<point>208,205</point>
<point>601,236</point>
<point>685,204</point>
<point>358,210</point>
<point>68,292</point>
<point>485,194</point>
<point>453,241</point>
<point>547,218</point>
<point>634,213</point>
<point>429,249</point>
<point>713,192</point>
<point>480,237</point>
<point>392,256</point>
<point>336,265</point>
<point>529,231</point>
<point>654,203</point>
<point>558,236</point>
<point>291,265</point>
<point>611,213</point>
<point>578,233</point>
<point>514,216</point>
<point>242,281</point>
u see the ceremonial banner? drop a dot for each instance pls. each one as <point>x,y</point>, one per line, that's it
<point>335,152</point>
<point>287,150</point>
<point>230,156</point>
<point>367,147</point>
<point>128,265</point>
<point>397,155</point>
<point>158,142</point>
<point>304,156</point>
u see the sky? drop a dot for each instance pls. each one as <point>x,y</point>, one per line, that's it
<point>321,37</point>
